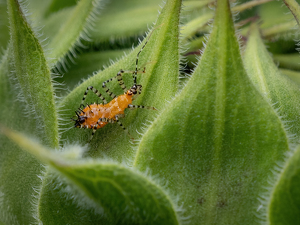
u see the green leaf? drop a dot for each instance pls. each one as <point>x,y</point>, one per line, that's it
<point>190,5</point>
<point>125,195</point>
<point>219,138</point>
<point>276,21</point>
<point>53,23</point>
<point>196,24</point>
<point>4,70</point>
<point>37,9</point>
<point>59,204</point>
<point>57,5</point>
<point>293,75</point>
<point>87,64</point>
<point>32,75</point>
<point>73,30</point>
<point>160,83</point>
<point>17,168</point>
<point>125,18</point>
<point>289,61</point>
<point>284,202</point>
<point>34,114</point>
<point>282,93</point>
<point>4,34</point>
<point>249,5</point>
<point>283,29</point>
<point>273,13</point>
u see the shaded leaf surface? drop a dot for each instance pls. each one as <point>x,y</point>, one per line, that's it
<point>218,140</point>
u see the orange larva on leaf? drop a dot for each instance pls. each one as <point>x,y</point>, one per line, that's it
<point>96,116</point>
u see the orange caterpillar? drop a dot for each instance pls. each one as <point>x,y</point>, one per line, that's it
<point>96,116</point>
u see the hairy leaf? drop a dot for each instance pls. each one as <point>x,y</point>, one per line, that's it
<point>218,140</point>
<point>71,31</point>
<point>18,170</point>
<point>27,104</point>
<point>282,93</point>
<point>32,74</point>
